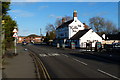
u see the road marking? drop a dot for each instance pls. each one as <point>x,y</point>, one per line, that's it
<point>42,55</point>
<point>47,77</point>
<point>65,55</point>
<point>53,54</point>
<point>49,54</point>
<point>108,74</point>
<point>80,61</point>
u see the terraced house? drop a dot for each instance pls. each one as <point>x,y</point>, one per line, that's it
<point>77,32</point>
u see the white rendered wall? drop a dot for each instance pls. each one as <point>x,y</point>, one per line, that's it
<point>91,36</point>
<point>72,26</point>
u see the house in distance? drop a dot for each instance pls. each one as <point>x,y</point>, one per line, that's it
<point>32,38</point>
<point>77,32</point>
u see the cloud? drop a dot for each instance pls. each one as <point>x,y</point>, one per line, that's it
<point>42,7</point>
<point>54,16</point>
<point>22,13</point>
<point>101,13</point>
<point>51,15</point>
<point>23,32</point>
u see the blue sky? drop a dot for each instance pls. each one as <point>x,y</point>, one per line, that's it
<point>31,16</point>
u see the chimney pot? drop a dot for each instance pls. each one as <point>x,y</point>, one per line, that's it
<point>75,13</point>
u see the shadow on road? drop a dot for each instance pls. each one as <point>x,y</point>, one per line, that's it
<point>105,59</point>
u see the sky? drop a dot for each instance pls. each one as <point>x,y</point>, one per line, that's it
<point>31,16</point>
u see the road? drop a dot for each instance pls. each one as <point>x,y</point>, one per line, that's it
<point>66,63</point>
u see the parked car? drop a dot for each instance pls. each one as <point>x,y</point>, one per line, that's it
<point>24,43</point>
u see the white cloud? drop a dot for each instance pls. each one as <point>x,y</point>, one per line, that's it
<point>22,13</point>
<point>54,16</point>
<point>102,13</point>
<point>42,7</point>
<point>23,32</point>
<point>51,15</point>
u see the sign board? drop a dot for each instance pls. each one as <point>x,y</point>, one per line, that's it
<point>15,31</point>
<point>15,35</point>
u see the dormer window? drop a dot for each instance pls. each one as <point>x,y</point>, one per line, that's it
<point>75,20</point>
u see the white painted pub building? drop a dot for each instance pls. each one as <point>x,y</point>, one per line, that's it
<point>77,32</point>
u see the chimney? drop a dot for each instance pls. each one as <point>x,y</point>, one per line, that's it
<point>86,26</point>
<point>75,13</point>
<point>63,20</point>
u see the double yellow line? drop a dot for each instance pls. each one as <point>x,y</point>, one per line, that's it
<point>38,63</point>
<point>45,72</point>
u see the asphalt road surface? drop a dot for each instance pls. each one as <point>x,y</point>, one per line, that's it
<point>66,63</point>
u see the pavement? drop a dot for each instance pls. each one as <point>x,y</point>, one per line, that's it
<point>19,66</point>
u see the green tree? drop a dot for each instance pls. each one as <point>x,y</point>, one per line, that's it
<point>47,38</point>
<point>5,7</point>
<point>8,27</point>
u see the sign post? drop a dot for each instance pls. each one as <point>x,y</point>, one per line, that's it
<point>15,36</point>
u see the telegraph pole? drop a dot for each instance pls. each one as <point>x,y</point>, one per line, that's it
<point>40,32</point>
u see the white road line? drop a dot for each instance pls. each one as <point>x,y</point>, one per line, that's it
<point>42,55</point>
<point>80,61</point>
<point>108,74</point>
<point>48,54</point>
<point>65,55</point>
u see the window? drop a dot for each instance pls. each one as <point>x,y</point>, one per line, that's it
<point>79,25</point>
<point>75,27</point>
<point>62,34</point>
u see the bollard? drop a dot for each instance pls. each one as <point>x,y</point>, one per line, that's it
<point>63,45</point>
<point>58,45</point>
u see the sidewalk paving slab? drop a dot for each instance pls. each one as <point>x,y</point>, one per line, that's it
<point>20,66</point>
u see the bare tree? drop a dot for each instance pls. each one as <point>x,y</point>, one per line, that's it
<point>58,21</point>
<point>100,25</point>
<point>110,28</point>
<point>51,28</point>
<point>97,23</point>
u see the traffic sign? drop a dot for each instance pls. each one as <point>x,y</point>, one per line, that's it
<point>15,35</point>
<point>15,31</point>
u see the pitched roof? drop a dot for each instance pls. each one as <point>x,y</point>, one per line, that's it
<point>113,36</point>
<point>65,24</point>
<point>33,35</point>
<point>79,34</point>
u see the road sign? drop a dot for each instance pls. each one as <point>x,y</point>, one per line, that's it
<point>15,35</point>
<point>15,31</point>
